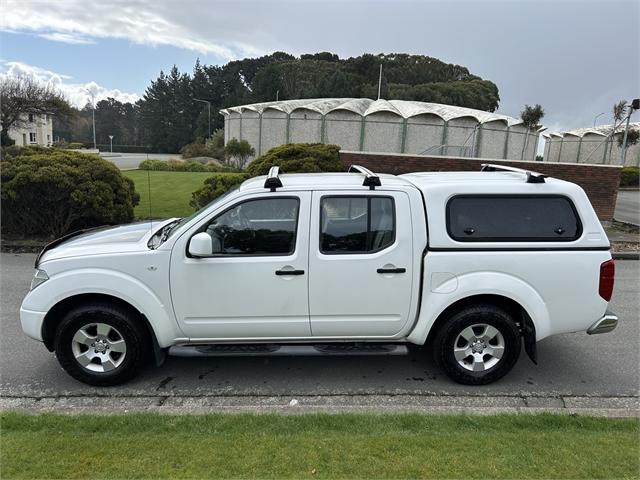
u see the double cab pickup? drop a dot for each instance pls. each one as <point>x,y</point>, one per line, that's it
<point>474,266</point>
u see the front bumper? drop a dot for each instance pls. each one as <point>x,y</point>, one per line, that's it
<point>32,322</point>
<point>608,322</point>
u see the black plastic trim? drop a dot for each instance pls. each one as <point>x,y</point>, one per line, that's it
<point>516,249</point>
<point>281,273</point>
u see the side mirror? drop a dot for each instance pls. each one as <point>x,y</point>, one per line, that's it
<point>200,245</point>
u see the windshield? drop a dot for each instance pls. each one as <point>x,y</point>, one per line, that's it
<point>170,228</point>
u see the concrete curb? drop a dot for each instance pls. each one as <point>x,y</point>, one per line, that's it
<point>292,405</point>
<point>625,255</point>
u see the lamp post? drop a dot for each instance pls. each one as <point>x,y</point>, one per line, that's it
<point>111,143</point>
<point>93,116</point>
<point>596,118</point>
<point>209,111</point>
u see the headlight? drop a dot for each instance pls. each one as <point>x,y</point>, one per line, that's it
<point>38,278</point>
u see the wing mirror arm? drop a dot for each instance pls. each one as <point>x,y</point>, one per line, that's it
<point>200,245</point>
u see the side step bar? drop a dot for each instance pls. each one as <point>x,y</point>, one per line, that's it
<point>260,350</point>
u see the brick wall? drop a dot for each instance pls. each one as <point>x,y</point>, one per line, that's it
<point>600,182</point>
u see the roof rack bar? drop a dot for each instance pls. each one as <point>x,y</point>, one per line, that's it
<point>371,180</point>
<point>273,180</point>
<point>532,177</point>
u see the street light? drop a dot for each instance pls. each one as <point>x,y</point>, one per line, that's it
<point>93,115</point>
<point>111,143</point>
<point>209,109</point>
<point>596,118</point>
<point>635,105</point>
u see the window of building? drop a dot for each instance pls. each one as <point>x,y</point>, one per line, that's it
<point>356,224</point>
<point>32,137</point>
<point>512,218</point>
<point>265,226</point>
<point>31,117</point>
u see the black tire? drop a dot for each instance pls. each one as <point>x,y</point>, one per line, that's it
<point>127,327</point>
<point>443,345</point>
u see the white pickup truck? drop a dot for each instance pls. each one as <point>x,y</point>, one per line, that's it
<point>472,264</point>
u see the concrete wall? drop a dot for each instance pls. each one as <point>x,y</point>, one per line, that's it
<point>382,132</point>
<point>600,182</point>
<point>604,151</point>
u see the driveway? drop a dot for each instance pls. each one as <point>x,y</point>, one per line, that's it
<point>573,364</point>
<point>628,207</point>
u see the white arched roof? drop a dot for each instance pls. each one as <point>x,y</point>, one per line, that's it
<point>602,130</point>
<point>366,106</point>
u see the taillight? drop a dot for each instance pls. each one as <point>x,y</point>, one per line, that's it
<point>607,274</point>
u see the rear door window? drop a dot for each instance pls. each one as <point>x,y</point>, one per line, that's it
<point>512,218</point>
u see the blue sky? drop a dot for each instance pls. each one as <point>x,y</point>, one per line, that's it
<point>575,57</point>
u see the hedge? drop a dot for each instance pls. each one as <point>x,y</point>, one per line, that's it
<point>105,147</point>
<point>51,193</point>
<point>630,177</point>
<point>184,166</point>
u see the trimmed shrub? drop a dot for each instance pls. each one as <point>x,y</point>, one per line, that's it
<point>184,166</point>
<point>105,147</point>
<point>74,146</point>
<point>214,186</point>
<point>630,177</point>
<point>298,158</point>
<point>50,194</point>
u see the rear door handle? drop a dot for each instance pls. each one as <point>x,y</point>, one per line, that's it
<point>289,272</point>
<point>391,270</point>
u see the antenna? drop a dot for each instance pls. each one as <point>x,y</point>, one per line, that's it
<point>379,81</point>
<point>149,194</point>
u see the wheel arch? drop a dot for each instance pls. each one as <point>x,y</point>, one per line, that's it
<point>56,313</point>
<point>518,312</point>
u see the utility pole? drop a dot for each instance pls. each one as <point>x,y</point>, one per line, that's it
<point>635,105</point>
<point>209,111</point>
<point>379,81</point>
<point>596,118</point>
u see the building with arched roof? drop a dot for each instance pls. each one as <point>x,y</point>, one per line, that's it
<point>590,145</point>
<point>396,126</point>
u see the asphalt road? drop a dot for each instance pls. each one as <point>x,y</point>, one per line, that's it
<point>130,161</point>
<point>574,364</point>
<point>628,207</point>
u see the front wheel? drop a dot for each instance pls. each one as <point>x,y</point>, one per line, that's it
<point>100,344</point>
<point>477,345</point>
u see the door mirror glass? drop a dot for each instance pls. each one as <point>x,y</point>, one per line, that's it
<point>200,245</point>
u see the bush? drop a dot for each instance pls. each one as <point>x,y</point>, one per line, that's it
<point>630,177</point>
<point>214,186</point>
<point>74,146</point>
<point>50,194</point>
<point>298,158</point>
<point>184,166</point>
<point>212,148</point>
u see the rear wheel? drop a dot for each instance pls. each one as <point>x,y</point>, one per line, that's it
<point>100,344</point>
<point>477,345</point>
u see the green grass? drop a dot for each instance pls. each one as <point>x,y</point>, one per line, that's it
<point>170,192</point>
<point>317,446</point>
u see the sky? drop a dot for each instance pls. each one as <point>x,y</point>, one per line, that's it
<point>574,57</point>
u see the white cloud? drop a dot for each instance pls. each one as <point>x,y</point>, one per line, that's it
<point>67,38</point>
<point>193,26</point>
<point>78,94</point>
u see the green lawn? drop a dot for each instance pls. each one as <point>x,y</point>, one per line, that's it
<point>170,192</point>
<point>317,446</point>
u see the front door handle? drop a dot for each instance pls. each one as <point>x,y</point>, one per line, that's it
<point>289,272</point>
<point>391,270</point>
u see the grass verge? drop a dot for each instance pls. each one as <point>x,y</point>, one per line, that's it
<point>317,446</point>
<point>170,192</point>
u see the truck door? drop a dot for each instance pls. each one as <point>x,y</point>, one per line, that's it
<point>360,263</point>
<point>254,284</point>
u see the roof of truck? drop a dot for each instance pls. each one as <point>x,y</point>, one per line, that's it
<point>421,180</point>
